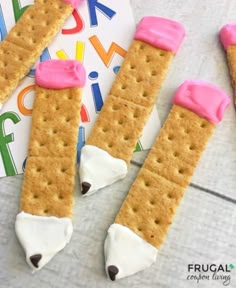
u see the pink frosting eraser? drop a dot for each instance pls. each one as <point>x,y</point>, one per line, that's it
<point>74,3</point>
<point>204,99</point>
<point>160,32</point>
<point>228,35</point>
<point>59,74</point>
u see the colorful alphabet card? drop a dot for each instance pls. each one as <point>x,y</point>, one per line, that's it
<point>98,34</point>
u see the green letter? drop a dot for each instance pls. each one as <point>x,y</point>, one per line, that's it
<point>5,151</point>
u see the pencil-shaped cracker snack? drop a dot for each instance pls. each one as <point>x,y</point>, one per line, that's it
<point>28,38</point>
<point>134,239</point>
<point>110,145</point>
<point>44,225</point>
<point>228,40</point>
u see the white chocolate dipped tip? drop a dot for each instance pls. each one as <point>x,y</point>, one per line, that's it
<point>99,169</point>
<point>42,237</point>
<point>126,253</point>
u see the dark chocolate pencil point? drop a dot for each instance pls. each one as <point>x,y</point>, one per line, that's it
<point>112,271</point>
<point>35,260</point>
<point>85,187</point>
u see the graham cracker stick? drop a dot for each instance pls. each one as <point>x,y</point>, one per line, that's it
<point>228,40</point>
<point>142,223</point>
<point>28,38</point>
<point>44,226</point>
<point>110,145</point>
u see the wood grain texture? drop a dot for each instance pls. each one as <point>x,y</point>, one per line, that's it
<point>205,224</point>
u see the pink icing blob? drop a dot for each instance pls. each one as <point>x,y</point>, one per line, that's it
<point>228,35</point>
<point>59,74</point>
<point>204,99</point>
<point>73,3</point>
<point>160,32</point>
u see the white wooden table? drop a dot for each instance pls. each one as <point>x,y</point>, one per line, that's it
<point>204,228</point>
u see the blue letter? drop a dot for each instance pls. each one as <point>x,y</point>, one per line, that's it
<point>106,11</point>
<point>3,30</point>
<point>97,96</point>
<point>81,142</point>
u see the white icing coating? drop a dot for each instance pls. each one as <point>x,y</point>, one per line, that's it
<point>127,251</point>
<point>41,235</point>
<point>99,168</point>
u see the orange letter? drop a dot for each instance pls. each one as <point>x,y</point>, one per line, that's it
<point>20,100</point>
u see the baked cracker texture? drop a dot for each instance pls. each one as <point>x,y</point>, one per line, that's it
<point>130,100</point>
<point>50,168</point>
<point>153,198</point>
<point>27,39</point>
<point>231,58</point>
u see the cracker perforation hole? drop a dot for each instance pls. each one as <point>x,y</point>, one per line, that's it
<point>157,221</point>
<point>39,169</point>
<point>132,67</point>
<point>176,154</point>
<point>45,211</point>
<point>140,229</point>
<point>147,184</point>
<point>145,94</point>
<point>162,54</point>
<point>141,47</point>
<point>18,34</point>
<point>67,119</point>
<point>135,115</point>
<point>41,144</point>
<point>203,125</point>
<point>170,196</point>
<point>49,183</point>
<point>152,202</point>
<point>35,196</point>
<point>65,144</point>
<point>104,130</point>
<point>148,59</point>
<point>110,145</point>
<point>63,170</point>
<point>120,122</point>
<point>158,160</point>
<point>60,197</point>
<point>123,87</point>
<point>152,236</point>
<point>181,115</point>
<point>134,209</point>
<point>154,73</point>
<point>57,108</point>
<point>126,138</point>
<point>115,107</point>
<point>54,131</point>
<point>170,137</point>
<point>191,147</point>
<point>139,79</point>
<point>181,171</point>
<point>186,131</point>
